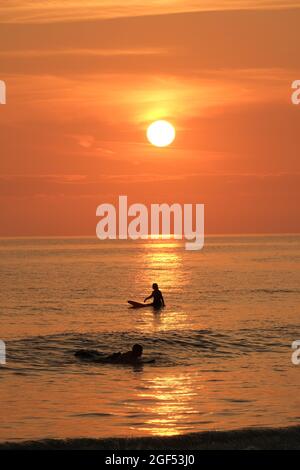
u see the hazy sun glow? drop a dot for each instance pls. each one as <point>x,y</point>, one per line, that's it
<point>161,133</point>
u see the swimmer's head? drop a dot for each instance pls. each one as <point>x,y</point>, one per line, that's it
<point>137,350</point>
<point>155,286</point>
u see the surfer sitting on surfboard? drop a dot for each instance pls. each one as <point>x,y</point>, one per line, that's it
<point>158,300</point>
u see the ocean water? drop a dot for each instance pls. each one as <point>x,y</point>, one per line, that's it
<point>222,345</point>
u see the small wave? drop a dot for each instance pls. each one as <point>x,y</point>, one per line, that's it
<point>91,415</point>
<point>171,348</point>
<point>275,291</point>
<point>245,439</point>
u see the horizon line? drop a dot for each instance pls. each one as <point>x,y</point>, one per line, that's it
<point>156,238</point>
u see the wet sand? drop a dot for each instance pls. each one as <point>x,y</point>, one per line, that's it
<point>243,439</point>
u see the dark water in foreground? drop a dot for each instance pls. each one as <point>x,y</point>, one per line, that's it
<point>222,345</point>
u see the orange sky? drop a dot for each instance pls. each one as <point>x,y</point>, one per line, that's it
<point>84,79</point>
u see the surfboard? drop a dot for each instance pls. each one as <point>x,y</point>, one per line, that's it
<point>138,304</point>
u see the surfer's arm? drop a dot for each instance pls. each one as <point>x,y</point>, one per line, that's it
<point>149,297</point>
<point>162,299</point>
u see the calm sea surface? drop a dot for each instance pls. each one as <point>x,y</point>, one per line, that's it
<point>222,344</point>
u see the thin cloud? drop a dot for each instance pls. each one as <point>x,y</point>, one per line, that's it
<point>37,11</point>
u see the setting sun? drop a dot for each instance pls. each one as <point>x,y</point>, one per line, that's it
<point>161,133</point>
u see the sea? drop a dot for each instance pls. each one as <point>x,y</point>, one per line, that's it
<point>222,345</point>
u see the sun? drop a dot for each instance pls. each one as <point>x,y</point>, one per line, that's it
<point>161,133</point>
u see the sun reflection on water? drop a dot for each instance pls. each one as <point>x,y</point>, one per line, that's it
<point>163,265</point>
<point>162,262</point>
<point>170,398</point>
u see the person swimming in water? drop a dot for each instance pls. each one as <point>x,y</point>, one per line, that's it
<point>158,300</point>
<point>130,357</point>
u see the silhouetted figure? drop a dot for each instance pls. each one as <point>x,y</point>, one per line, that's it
<point>130,357</point>
<point>158,300</point>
